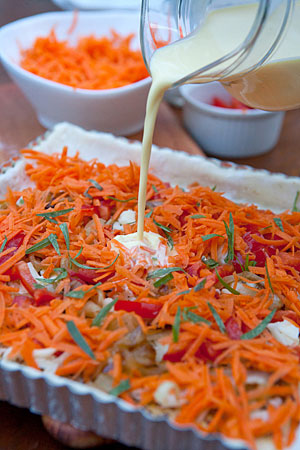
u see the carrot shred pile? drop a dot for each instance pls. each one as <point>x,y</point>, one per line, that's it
<point>94,63</point>
<point>210,356</point>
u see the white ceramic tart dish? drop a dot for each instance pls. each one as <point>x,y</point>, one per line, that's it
<point>88,408</point>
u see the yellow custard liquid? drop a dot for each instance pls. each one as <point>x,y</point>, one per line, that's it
<point>275,86</point>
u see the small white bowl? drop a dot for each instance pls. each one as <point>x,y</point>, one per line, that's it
<point>228,132</point>
<point>120,111</point>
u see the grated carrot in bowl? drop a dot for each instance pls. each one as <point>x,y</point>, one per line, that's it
<point>193,338</point>
<point>106,62</point>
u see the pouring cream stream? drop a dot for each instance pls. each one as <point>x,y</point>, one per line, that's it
<point>276,85</point>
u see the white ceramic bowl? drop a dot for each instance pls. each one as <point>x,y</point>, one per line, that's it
<point>228,132</point>
<point>120,111</point>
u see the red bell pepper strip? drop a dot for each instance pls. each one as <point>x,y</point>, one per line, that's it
<point>16,242</point>
<point>24,275</point>
<point>43,297</point>
<point>40,296</point>
<point>142,309</point>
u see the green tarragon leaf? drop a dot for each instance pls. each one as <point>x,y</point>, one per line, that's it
<point>165,271</point>
<point>79,339</point>
<point>278,222</point>
<point>209,262</point>
<point>50,215</point>
<point>121,200</point>
<point>50,240</point>
<point>103,313</point>
<point>197,216</point>
<point>176,325</point>
<point>80,293</point>
<point>217,318</point>
<point>53,239</point>
<point>62,273</point>
<point>230,235</point>
<point>189,316</point>
<point>259,328</point>
<point>65,232</point>
<point>163,227</point>
<point>268,278</point>
<point>3,244</point>
<point>163,280</point>
<point>200,285</point>
<point>210,236</point>
<point>122,387</point>
<point>226,285</point>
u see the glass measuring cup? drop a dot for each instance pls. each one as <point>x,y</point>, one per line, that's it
<point>259,64</point>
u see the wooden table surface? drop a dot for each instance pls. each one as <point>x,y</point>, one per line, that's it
<point>19,429</point>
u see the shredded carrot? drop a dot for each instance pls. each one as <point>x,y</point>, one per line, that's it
<point>201,328</point>
<point>106,62</point>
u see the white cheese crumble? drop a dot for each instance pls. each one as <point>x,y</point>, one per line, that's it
<point>47,360</point>
<point>168,395</point>
<point>160,351</point>
<point>126,217</point>
<point>285,332</point>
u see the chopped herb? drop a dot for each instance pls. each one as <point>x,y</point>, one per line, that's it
<point>230,235</point>
<point>200,285</point>
<point>83,266</point>
<point>50,215</point>
<point>63,274</point>
<point>217,318</point>
<point>278,222</point>
<point>163,280</point>
<point>65,232</point>
<point>248,264</point>
<point>214,187</point>
<point>103,313</point>
<point>246,267</point>
<point>210,236</point>
<point>121,200</point>
<point>79,339</point>
<point>149,214</point>
<point>53,239</point>
<point>259,328</point>
<point>209,262</point>
<point>20,201</point>
<point>86,193</point>
<point>165,271</point>
<point>188,315</point>
<point>3,244</point>
<point>80,293</point>
<point>265,228</point>
<point>226,285</point>
<point>96,185</point>
<point>38,286</point>
<point>50,240</point>
<point>184,292</point>
<point>197,216</point>
<point>122,387</point>
<point>154,188</point>
<point>170,241</point>
<point>163,227</point>
<point>176,325</point>
<point>167,232</point>
<point>294,208</point>
<point>268,277</point>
